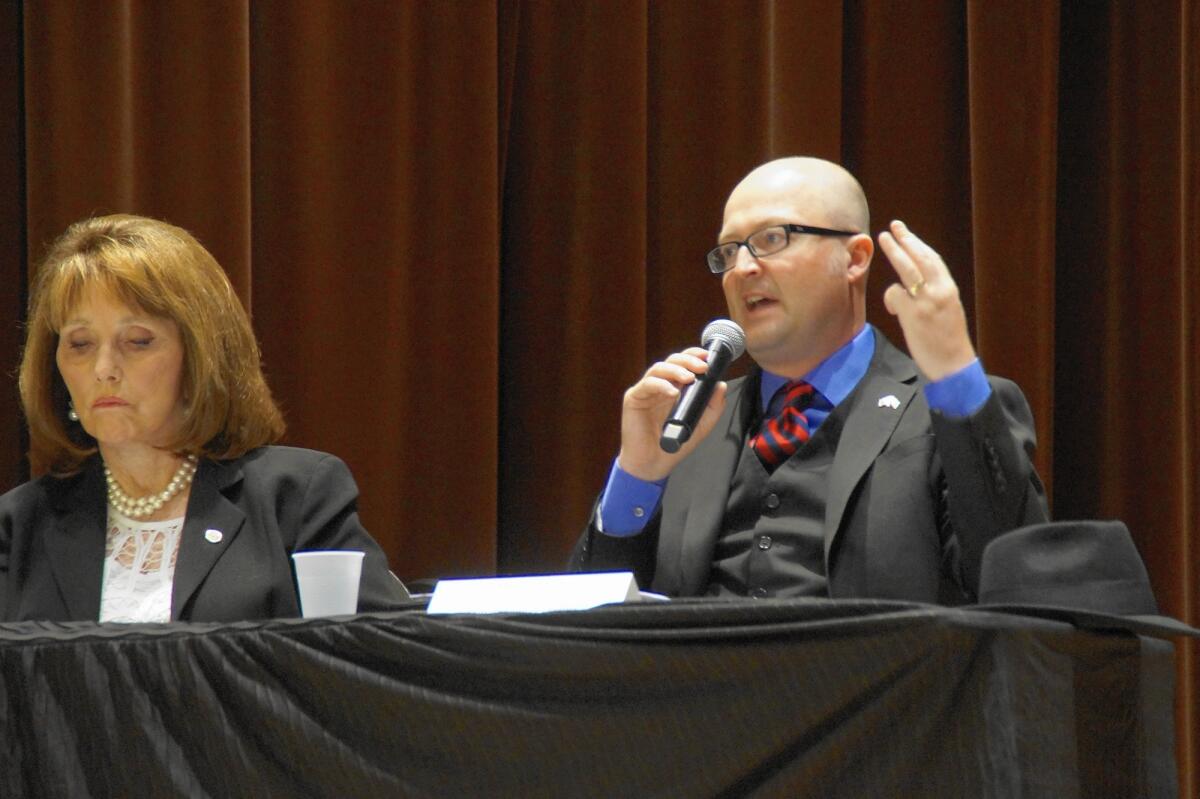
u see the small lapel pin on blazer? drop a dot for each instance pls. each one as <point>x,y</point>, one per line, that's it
<point>213,536</point>
<point>889,401</point>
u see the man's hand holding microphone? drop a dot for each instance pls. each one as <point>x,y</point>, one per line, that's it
<point>676,403</point>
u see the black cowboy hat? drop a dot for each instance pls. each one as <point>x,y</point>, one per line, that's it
<point>1086,572</point>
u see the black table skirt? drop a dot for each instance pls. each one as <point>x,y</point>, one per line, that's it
<point>688,699</point>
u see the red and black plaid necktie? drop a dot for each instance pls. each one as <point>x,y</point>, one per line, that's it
<point>782,435</point>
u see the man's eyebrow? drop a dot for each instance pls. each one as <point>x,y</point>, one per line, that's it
<point>762,224</point>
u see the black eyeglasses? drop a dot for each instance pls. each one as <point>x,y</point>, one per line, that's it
<point>767,241</point>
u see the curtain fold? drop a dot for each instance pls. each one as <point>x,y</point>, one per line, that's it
<point>571,284</point>
<point>13,466</point>
<point>1185,544</point>
<point>906,136</point>
<point>376,260</point>
<point>464,228</point>
<point>1012,66</point>
<point>139,107</point>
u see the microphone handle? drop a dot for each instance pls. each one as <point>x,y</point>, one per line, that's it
<point>694,399</point>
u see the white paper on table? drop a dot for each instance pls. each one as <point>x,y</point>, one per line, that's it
<point>533,594</point>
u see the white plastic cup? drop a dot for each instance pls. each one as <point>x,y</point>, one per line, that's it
<point>328,582</point>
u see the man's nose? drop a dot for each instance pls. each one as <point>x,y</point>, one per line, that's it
<point>745,261</point>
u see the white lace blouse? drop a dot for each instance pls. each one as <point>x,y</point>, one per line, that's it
<point>139,569</point>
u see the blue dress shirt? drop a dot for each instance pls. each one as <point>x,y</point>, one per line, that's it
<point>628,502</point>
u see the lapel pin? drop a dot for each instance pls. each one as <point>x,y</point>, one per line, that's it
<point>889,401</point>
<point>213,536</point>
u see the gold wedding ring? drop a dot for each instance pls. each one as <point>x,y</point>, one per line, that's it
<point>915,288</point>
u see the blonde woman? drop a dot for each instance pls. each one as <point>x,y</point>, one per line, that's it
<point>163,496</point>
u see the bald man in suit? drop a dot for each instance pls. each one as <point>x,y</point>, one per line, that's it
<point>905,469</point>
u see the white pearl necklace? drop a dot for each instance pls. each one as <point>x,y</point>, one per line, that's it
<point>142,507</point>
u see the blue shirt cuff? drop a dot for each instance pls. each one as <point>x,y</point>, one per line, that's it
<point>628,503</point>
<point>960,394</point>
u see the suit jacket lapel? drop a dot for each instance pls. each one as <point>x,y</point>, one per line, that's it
<point>211,525</point>
<point>868,426</point>
<point>708,473</point>
<point>75,541</point>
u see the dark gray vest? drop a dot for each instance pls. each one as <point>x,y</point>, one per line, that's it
<point>772,541</point>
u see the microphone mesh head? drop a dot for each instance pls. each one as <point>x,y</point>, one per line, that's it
<point>729,332</point>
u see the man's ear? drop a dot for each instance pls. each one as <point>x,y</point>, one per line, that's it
<point>861,247</point>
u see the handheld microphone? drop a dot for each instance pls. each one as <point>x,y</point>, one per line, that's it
<point>725,342</point>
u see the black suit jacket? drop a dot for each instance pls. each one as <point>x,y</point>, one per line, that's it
<point>266,505</point>
<point>913,496</point>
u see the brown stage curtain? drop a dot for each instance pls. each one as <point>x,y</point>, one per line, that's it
<point>464,227</point>
<point>13,278</point>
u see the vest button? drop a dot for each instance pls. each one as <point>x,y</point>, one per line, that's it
<point>772,501</point>
<point>764,542</point>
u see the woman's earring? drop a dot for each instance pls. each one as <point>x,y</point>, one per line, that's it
<point>72,414</point>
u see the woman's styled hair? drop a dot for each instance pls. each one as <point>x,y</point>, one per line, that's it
<point>163,271</point>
